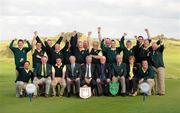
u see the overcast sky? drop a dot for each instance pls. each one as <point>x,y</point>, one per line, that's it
<point>19,18</point>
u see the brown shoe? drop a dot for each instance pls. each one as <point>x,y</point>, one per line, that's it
<point>46,95</point>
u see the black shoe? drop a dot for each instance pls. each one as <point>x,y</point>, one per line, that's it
<point>20,96</point>
<point>123,94</point>
<point>69,95</point>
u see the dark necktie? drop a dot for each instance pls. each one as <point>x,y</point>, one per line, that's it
<point>44,70</point>
<point>72,67</point>
<point>102,72</point>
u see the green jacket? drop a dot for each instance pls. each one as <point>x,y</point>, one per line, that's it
<point>20,55</point>
<point>110,54</point>
<point>149,74</point>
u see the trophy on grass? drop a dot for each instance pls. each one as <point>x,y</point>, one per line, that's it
<point>30,89</point>
<point>144,88</point>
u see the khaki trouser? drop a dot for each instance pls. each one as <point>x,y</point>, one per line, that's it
<point>122,81</point>
<point>62,85</point>
<point>150,82</point>
<point>159,80</point>
<point>20,86</point>
<point>46,81</point>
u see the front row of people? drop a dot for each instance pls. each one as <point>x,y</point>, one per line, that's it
<point>98,77</point>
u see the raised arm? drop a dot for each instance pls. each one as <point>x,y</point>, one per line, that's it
<point>122,45</point>
<point>11,45</point>
<point>29,46</point>
<point>148,35</point>
<point>59,40</point>
<point>99,34</point>
<point>66,46</point>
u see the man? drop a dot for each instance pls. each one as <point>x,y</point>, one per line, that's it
<point>48,46</point>
<point>77,49</point>
<point>103,76</point>
<point>128,50</point>
<point>25,74</point>
<point>144,50</point>
<point>57,52</point>
<point>119,73</point>
<point>60,70</point>
<point>146,74</point>
<point>73,75</point>
<point>37,52</point>
<point>43,73</point>
<point>158,66</point>
<point>94,51</point>
<point>110,52</point>
<point>89,73</point>
<point>20,52</point>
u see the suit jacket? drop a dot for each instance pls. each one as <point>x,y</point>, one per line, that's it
<point>38,70</point>
<point>77,71</point>
<point>107,71</point>
<point>93,71</point>
<point>135,70</point>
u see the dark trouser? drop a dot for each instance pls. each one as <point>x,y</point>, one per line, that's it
<point>103,87</point>
<point>131,85</point>
<point>91,83</point>
<point>73,82</point>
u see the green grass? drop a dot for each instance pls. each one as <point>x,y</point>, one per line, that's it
<point>153,104</point>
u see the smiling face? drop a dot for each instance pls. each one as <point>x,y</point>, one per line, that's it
<point>146,43</point>
<point>38,46</point>
<point>140,40</point>
<point>113,44</point>
<point>145,64</point>
<point>103,60</point>
<point>26,65</point>
<point>154,46</point>
<point>108,42</point>
<point>128,44</point>
<point>88,60</point>
<point>95,44</point>
<point>72,59</point>
<point>118,58</point>
<point>57,47</point>
<point>44,59</point>
<point>20,44</point>
<point>58,61</point>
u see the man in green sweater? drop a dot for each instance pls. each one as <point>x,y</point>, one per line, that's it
<point>146,74</point>
<point>20,52</point>
<point>156,56</point>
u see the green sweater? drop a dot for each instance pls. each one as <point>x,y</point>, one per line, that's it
<point>20,55</point>
<point>119,70</point>
<point>157,57</point>
<point>149,74</point>
<point>110,54</point>
<point>126,52</point>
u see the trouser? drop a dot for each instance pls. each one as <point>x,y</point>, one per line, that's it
<point>159,80</point>
<point>73,82</point>
<point>150,82</point>
<point>46,81</point>
<point>103,87</point>
<point>20,87</point>
<point>62,83</point>
<point>122,81</point>
<point>131,85</point>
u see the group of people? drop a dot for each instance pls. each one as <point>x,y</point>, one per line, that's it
<point>89,63</point>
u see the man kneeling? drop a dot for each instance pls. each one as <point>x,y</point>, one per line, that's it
<point>23,78</point>
<point>146,74</point>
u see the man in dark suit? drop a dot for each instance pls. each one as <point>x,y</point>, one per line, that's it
<point>103,76</point>
<point>25,74</point>
<point>89,73</point>
<point>73,75</point>
<point>119,73</point>
<point>43,73</point>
